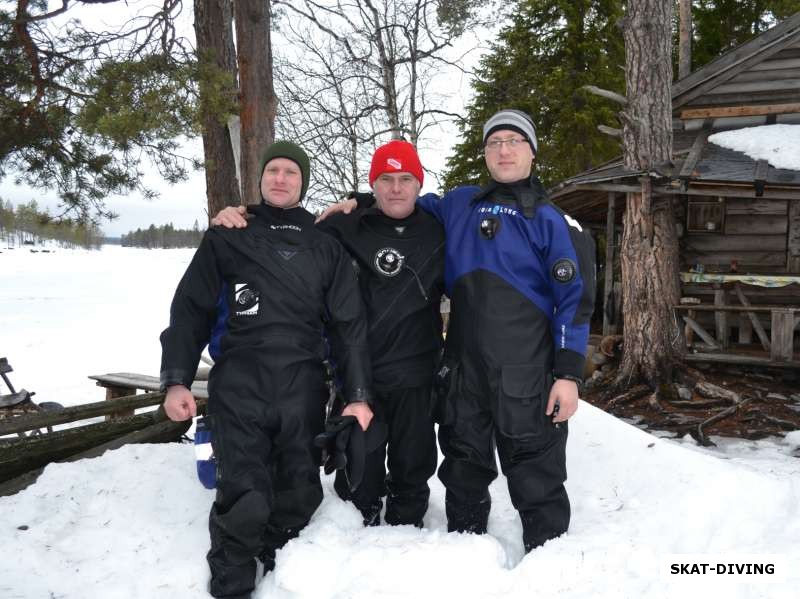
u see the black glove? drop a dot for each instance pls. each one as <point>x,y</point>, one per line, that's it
<point>346,446</point>
<point>334,441</point>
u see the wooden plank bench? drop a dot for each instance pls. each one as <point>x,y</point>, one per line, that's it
<point>123,384</point>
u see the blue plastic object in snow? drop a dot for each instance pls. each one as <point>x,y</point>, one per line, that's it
<point>206,464</point>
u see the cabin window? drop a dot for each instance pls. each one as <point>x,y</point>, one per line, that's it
<point>706,216</point>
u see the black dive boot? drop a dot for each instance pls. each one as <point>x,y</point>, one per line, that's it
<point>467,517</point>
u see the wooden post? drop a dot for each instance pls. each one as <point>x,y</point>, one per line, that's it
<point>721,317</point>
<point>708,339</point>
<point>745,329</point>
<point>608,288</point>
<point>756,324</point>
<point>688,331</point>
<point>113,393</point>
<point>782,334</point>
<point>793,242</point>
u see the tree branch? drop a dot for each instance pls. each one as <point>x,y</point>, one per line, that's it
<point>610,131</point>
<point>604,93</point>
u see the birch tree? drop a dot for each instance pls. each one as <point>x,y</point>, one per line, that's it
<point>366,75</point>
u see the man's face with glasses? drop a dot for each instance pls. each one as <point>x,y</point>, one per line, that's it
<point>509,156</point>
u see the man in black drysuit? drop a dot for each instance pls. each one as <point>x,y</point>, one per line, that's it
<point>398,252</point>
<point>266,292</point>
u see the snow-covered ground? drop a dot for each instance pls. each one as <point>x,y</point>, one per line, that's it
<point>132,523</point>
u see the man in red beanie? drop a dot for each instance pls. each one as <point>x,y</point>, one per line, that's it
<point>398,252</point>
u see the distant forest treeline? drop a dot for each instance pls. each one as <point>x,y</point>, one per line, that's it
<point>165,236</point>
<point>27,225</point>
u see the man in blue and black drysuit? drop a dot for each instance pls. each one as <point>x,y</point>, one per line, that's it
<point>521,276</point>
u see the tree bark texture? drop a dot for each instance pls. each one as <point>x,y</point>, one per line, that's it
<point>257,101</point>
<point>213,26</point>
<point>647,120</point>
<point>649,252</point>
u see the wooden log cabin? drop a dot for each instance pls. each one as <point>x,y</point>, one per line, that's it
<point>738,218</point>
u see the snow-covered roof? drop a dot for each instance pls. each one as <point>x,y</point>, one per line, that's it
<point>779,145</point>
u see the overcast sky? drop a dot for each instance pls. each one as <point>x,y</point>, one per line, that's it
<point>179,204</point>
<point>184,203</point>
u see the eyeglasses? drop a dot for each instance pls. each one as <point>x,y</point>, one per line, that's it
<point>494,145</point>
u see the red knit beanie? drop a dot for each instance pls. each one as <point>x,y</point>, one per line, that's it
<point>395,157</point>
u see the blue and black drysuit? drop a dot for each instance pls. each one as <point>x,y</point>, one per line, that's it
<point>521,276</point>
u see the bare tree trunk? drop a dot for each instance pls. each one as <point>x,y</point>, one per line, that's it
<point>354,159</point>
<point>413,121</point>
<point>387,70</point>
<point>685,44</point>
<point>214,32</point>
<point>257,100</point>
<point>649,253</point>
<point>583,132</point>
<point>413,43</point>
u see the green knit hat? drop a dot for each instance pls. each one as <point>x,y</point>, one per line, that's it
<point>286,149</point>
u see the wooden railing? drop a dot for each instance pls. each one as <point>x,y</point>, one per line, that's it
<point>779,343</point>
<point>23,457</point>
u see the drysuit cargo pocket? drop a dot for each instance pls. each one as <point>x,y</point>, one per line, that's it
<point>521,401</point>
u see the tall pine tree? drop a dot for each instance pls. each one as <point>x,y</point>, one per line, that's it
<point>720,25</point>
<point>552,48</point>
<point>541,61</point>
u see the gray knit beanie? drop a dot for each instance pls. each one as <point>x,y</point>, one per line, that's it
<point>514,120</point>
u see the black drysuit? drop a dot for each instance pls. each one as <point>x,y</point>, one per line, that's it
<point>400,266</point>
<point>270,289</point>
